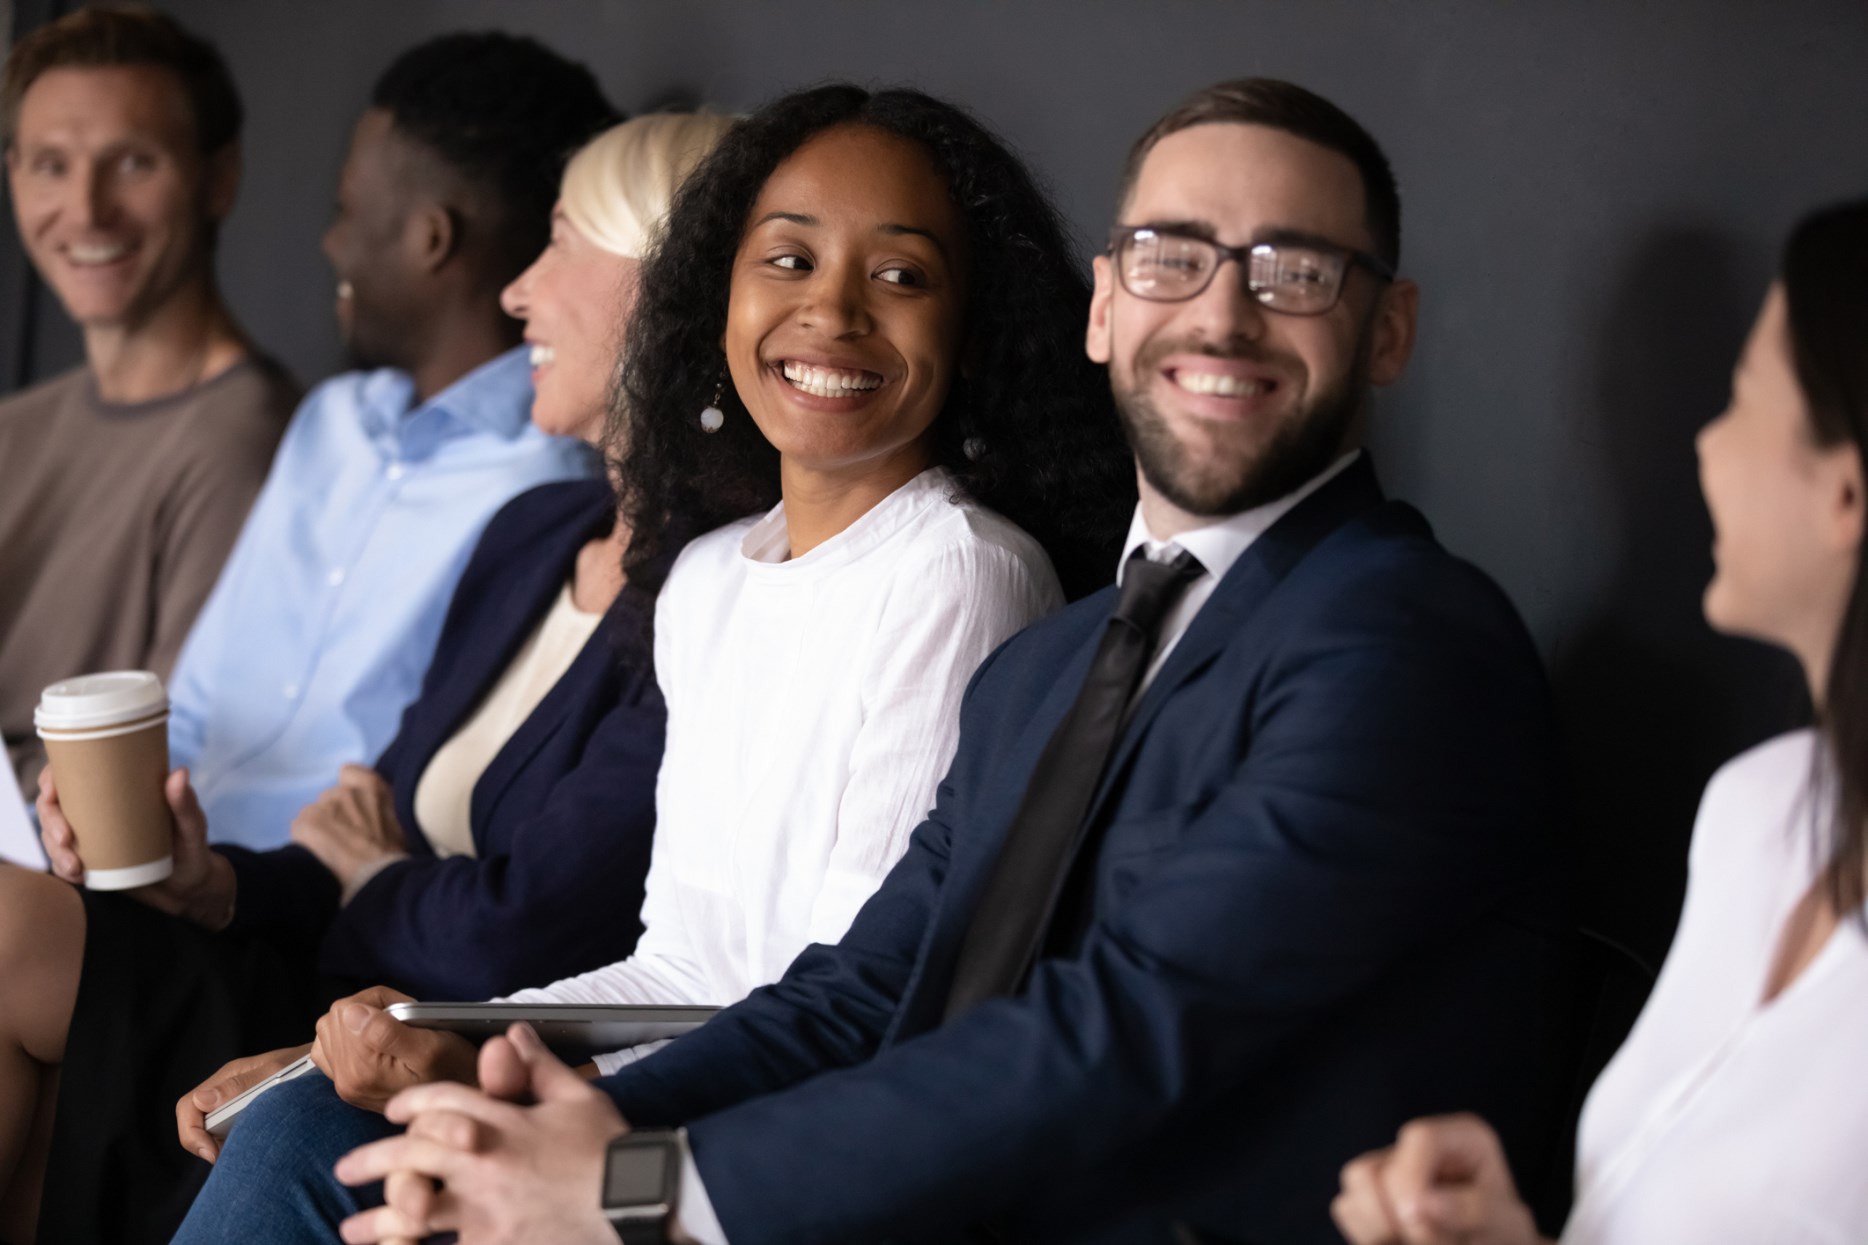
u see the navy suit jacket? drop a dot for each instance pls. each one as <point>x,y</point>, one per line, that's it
<point>562,818</point>
<point>1325,901</point>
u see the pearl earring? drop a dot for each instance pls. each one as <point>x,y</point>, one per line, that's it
<point>713,418</point>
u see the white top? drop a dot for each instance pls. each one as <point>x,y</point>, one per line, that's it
<point>444,793</point>
<point>813,705</point>
<point>1723,1118</point>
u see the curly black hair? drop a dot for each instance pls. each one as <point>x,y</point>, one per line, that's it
<point>1030,431</point>
<point>503,111</point>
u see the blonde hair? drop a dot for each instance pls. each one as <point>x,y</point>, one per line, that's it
<point>619,186</point>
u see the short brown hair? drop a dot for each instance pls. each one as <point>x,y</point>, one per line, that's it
<point>128,35</point>
<point>1288,107</point>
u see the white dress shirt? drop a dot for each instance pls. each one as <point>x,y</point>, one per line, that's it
<point>1726,1118</point>
<point>813,706</point>
<point>1217,546</point>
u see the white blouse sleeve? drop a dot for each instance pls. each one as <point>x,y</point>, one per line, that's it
<point>944,616</point>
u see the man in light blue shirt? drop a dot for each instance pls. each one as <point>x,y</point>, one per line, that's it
<point>322,625</point>
<point>320,628</point>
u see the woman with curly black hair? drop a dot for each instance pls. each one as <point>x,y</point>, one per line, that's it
<point>1026,426</point>
<point>856,356</point>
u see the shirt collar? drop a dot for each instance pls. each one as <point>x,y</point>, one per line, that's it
<point>1221,543</point>
<point>768,541</point>
<point>495,397</point>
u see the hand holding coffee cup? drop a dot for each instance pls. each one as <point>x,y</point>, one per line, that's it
<point>201,887</point>
<point>104,821</point>
<point>106,736</point>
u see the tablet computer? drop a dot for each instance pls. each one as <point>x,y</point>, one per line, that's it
<point>221,1118</point>
<point>573,1031</point>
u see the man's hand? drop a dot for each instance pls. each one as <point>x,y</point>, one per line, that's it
<point>371,1056</point>
<point>509,1174</point>
<point>1443,1182</point>
<point>201,888</point>
<point>234,1079</point>
<point>353,825</point>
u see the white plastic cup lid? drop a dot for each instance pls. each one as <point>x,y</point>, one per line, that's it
<point>97,700</point>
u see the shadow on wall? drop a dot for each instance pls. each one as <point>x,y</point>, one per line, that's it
<point>1652,700</point>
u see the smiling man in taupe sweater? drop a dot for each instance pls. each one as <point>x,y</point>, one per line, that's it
<point>123,482</point>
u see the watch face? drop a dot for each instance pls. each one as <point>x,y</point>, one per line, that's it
<point>636,1175</point>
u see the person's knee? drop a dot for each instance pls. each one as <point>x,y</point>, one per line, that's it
<point>276,1166</point>
<point>36,909</point>
<point>294,1132</point>
<point>41,957</point>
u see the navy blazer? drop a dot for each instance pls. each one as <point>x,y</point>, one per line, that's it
<point>562,818</point>
<point>1325,901</point>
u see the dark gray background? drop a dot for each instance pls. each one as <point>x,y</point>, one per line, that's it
<point>1594,195</point>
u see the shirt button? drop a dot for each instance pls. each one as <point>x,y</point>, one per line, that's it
<point>335,577</point>
<point>395,471</point>
<point>290,691</point>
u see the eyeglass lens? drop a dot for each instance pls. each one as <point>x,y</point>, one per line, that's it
<point>1168,267</point>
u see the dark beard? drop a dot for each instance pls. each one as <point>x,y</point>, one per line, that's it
<point>1310,440</point>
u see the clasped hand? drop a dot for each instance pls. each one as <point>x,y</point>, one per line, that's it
<point>351,826</point>
<point>507,1173</point>
<point>1443,1182</point>
<point>201,887</point>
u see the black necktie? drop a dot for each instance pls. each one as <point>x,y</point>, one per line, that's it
<point>1020,894</point>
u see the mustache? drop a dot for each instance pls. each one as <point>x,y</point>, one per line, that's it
<point>1237,350</point>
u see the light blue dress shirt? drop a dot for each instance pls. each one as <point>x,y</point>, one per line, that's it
<point>323,621</point>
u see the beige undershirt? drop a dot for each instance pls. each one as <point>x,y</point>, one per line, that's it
<point>444,795</point>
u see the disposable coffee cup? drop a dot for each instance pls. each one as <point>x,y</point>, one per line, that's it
<point>107,737</point>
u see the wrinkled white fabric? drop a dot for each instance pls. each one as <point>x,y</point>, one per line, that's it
<point>813,705</point>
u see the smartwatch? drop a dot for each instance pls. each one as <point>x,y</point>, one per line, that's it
<point>641,1177</point>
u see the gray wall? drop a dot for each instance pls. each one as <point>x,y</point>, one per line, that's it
<point>1594,195</point>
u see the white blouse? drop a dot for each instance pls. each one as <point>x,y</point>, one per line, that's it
<point>1724,1118</point>
<point>813,706</point>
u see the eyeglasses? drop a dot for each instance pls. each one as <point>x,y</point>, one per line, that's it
<point>1296,278</point>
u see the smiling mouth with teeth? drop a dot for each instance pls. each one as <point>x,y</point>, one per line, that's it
<point>543,356</point>
<point>96,253</point>
<point>1221,384</point>
<point>828,382</point>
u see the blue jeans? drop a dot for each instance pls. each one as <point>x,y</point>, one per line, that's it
<point>273,1184</point>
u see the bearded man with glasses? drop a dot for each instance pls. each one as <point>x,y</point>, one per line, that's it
<point>1237,867</point>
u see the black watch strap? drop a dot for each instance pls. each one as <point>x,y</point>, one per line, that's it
<point>642,1231</point>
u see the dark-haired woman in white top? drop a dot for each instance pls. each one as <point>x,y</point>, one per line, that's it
<point>1737,1111</point>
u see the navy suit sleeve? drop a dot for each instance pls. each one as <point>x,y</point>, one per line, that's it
<point>834,1004</point>
<point>467,928</point>
<point>1395,759</point>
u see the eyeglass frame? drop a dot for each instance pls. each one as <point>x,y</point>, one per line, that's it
<point>1374,264</point>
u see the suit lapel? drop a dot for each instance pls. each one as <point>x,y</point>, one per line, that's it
<point>1246,586</point>
<point>1238,596</point>
<point>526,595</point>
<point>584,676</point>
